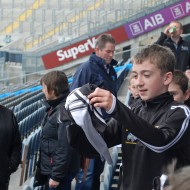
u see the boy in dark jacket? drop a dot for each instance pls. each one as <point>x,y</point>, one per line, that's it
<point>159,125</point>
<point>10,146</point>
<point>58,161</point>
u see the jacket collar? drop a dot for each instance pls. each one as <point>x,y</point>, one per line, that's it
<point>161,99</point>
<point>53,103</point>
<point>180,40</point>
<point>100,61</point>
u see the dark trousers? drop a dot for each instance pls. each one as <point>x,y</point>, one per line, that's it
<point>4,186</point>
<point>65,184</point>
<point>98,169</point>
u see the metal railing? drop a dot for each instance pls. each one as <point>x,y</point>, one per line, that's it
<point>75,31</point>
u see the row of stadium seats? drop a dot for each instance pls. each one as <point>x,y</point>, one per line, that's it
<point>31,122</point>
<point>29,155</point>
<point>44,22</point>
<point>20,115</point>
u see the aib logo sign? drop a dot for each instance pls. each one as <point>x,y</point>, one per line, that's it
<point>177,11</point>
<point>148,23</point>
<point>158,19</point>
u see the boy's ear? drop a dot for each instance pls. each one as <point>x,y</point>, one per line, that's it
<point>187,95</point>
<point>96,49</point>
<point>168,78</point>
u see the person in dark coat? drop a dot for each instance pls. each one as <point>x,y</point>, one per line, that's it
<point>10,146</point>
<point>58,161</point>
<point>171,38</point>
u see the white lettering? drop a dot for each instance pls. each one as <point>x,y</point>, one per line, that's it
<point>154,20</point>
<point>86,46</point>
<point>187,7</point>
<point>92,43</point>
<point>159,19</point>
<point>61,55</point>
<point>67,54</point>
<point>81,48</point>
<point>147,24</point>
<point>74,51</point>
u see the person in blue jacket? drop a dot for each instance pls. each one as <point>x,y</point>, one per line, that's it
<point>97,70</point>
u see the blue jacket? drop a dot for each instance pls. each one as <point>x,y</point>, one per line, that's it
<point>94,72</point>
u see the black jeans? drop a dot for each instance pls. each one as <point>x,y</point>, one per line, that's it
<point>4,186</point>
<point>98,169</point>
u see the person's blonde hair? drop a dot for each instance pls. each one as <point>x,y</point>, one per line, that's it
<point>180,179</point>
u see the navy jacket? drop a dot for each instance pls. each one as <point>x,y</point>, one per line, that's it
<point>94,72</point>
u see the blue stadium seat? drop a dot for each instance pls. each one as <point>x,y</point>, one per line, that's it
<point>29,156</point>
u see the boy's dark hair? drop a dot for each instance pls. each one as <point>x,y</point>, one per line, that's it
<point>158,55</point>
<point>103,39</point>
<point>57,81</point>
<point>178,179</point>
<point>180,79</point>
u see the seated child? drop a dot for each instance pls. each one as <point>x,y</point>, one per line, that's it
<point>134,96</point>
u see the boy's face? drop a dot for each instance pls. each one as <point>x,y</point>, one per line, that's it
<point>49,95</point>
<point>133,88</point>
<point>149,80</point>
<point>177,93</point>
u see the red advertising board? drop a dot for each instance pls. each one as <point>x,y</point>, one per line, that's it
<point>79,49</point>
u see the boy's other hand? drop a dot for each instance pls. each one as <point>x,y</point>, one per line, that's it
<point>101,98</point>
<point>52,183</point>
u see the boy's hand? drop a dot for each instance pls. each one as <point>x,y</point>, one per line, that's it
<point>101,98</point>
<point>52,183</point>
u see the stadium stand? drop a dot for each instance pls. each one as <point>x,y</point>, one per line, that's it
<point>51,29</point>
<point>29,156</point>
